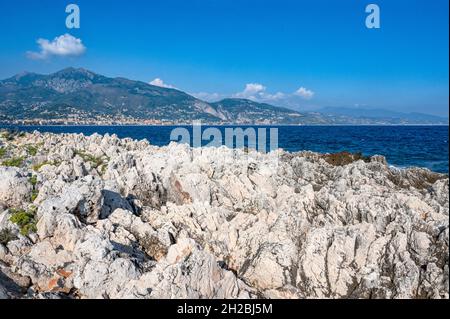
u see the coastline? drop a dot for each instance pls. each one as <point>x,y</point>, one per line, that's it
<point>210,124</point>
<point>96,216</point>
<point>402,145</point>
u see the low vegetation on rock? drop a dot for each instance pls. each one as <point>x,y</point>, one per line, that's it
<point>32,150</point>
<point>118,218</point>
<point>37,167</point>
<point>25,219</point>
<point>7,235</point>
<point>13,162</point>
<point>344,158</point>
<point>95,161</point>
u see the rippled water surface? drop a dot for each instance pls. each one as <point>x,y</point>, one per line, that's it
<point>403,146</point>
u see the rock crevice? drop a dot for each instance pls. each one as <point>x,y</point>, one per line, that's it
<point>126,219</point>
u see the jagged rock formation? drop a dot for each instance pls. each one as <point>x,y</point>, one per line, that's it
<point>117,218</point>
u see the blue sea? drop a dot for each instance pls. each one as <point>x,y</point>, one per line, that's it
<point>403,146</point>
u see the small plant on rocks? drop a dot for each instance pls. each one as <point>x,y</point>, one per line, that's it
<point>13,162</point>
<point>6,235</point>
<point>26,220</point>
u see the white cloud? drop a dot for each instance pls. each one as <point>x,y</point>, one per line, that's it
<point>275,97</point>
<point>64,45</point>
<point>259,93</point>
<point>254,88</point>
<point>256,92</point>
<point>304,93</point>
<point>252,91</point>
<point>160,83</point>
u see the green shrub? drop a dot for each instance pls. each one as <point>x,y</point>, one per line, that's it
<point>3,152</point>
<point>6,235</point>
<point>26,220</point>
<point>34,195</point>
<point>13,162</point>
<point>27,229</point>
<point>344,158</point>
<point>96,161</point>
<point>33,180</point>
<point>38,167</point>
<point>103,169</point>
<point>32,150</point>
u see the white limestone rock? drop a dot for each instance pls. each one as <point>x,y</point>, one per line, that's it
<point>15,188</point>
<point>176,222</point>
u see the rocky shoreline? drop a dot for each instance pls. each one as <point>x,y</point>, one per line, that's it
<point>103,217</point>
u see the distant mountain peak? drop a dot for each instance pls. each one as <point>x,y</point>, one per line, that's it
<point>389,115</point>
<point>234,100</point>
<point>75,73</point>
<point>81,96</point>
<point>70,70</point>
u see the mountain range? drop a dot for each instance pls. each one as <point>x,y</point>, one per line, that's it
<point>79,96</point>
<point>383,115</point>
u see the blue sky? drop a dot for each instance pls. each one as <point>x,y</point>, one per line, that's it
<point>320,49</point>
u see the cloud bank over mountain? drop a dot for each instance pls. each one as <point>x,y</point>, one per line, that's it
<point>259,93</point>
